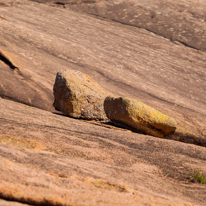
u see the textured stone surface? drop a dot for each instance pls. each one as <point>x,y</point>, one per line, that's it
<point>14,2</point>
<point>139,116</point>
<point>125,60</point>
<point>180,21</point>
<point>11,203</point>
<point>78,95</point>
<point>19,84</point>
<point>47,157</point>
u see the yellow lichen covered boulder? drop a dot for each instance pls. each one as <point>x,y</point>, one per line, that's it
<point>138,116</point>
<point>78,95</point>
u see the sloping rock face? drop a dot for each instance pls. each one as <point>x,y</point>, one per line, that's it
<point>50,159</point>
<point>139,116</point>
<point>180,21</point>
<point>78,95</point>
<point>21,85</point>
<point>14,2</point>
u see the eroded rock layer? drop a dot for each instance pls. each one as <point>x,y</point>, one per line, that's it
<point>47,158</point>
<point>55,160</point>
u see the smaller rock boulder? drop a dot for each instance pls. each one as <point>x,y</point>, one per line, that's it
<point>138,116</point>
<point>78,95</point>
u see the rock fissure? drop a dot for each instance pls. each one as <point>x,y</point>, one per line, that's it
<point>75,3</point>
<point>6,60</point>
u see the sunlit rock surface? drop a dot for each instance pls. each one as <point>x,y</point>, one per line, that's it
<point>139,116</point>
<point>78,95</point>
<point>48,158</point>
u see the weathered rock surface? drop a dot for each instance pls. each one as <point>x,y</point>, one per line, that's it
<point>139,116</point>
<point>15,2</point>
<point>52,159</point>
<point>78,95</point>
<point>19,84</point>
<point>180,21</point>
<point>124,60</point>
<point>49,159</point>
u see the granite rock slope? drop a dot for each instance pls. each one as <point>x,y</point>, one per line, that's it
<point>183,22</point>
<point>124,60</point>
<point>19,84</point>
<point>6,3</point>
<point>46,154</point>
<point>49,159</point>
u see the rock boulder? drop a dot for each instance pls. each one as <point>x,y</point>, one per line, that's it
<point>78,95</point>
<point>138,116</point>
